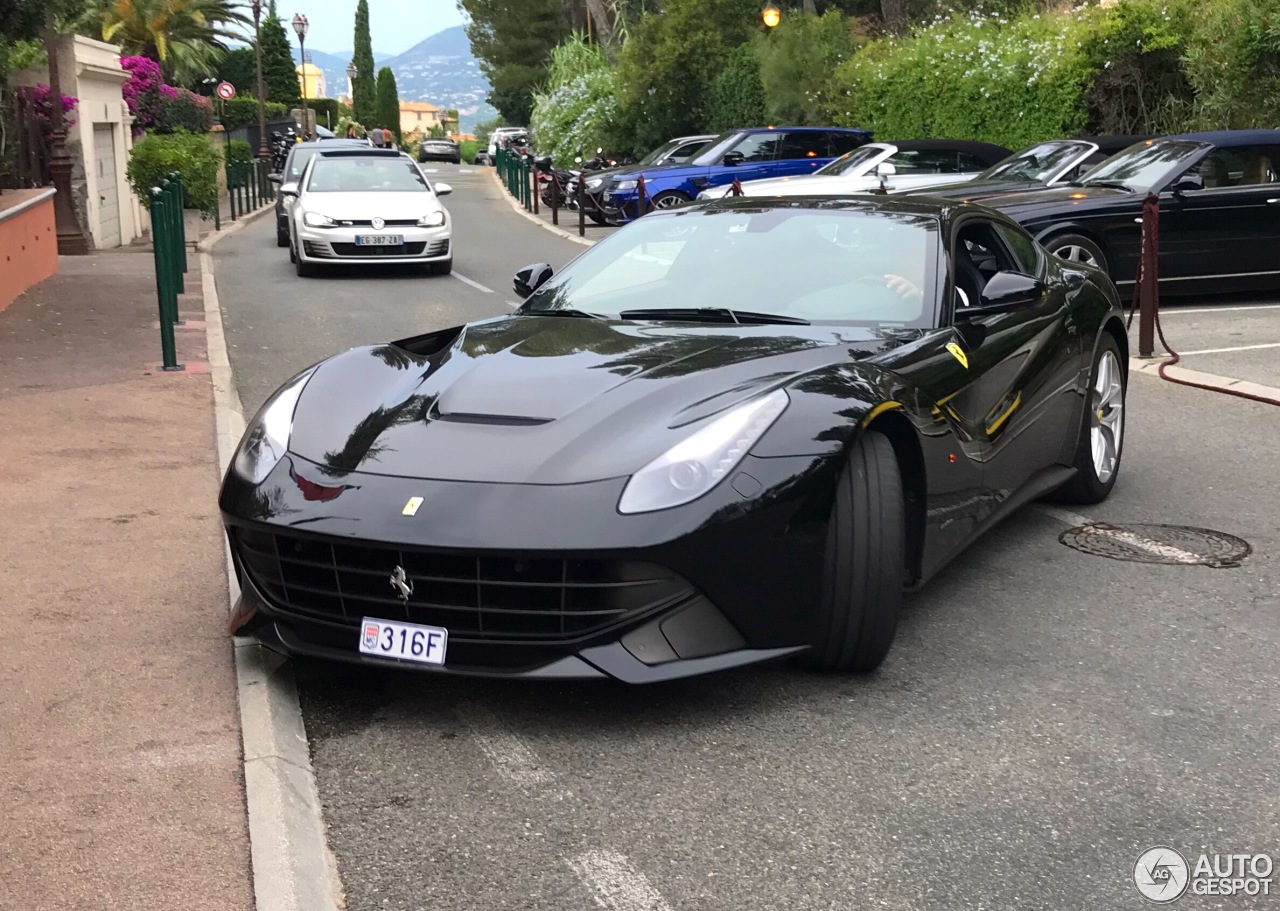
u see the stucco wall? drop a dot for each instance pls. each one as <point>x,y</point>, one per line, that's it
<point>28,241</point>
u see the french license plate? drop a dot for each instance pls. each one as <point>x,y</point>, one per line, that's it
<point>379,240</point>
<point>407,641</point>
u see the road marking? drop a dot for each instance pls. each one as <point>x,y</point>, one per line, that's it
<point>430,170</point>
<point>466,171</point>
<point>1230,350</point>
<point>1155,548</point>
<point>1173,311</point>
<point>615,884</point>
<point>513,304</point>
<point>509,754</point>
<point>474,284</point>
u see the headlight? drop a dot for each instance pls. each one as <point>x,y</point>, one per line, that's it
<point>625,185</point>
<point>594,182</point>
<point>434,220</point>
<point>316,220</point>
<point>267,438</point>
<point>698,463</point>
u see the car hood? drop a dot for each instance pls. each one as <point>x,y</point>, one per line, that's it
<point>677,171</point>
<point>823,184</point>
<point>978,189</point>
<point>1059,199</point>
<point>547,400</point>
<point>364,206</point>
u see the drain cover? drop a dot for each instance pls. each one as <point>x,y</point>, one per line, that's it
<point>1173,544</point>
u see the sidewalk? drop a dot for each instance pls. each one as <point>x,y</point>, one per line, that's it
<point>120,760</point>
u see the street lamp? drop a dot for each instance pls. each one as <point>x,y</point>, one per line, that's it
<point>263,152</point>
<point>771,16</point>
<point>351,79</point>
<point>300,26</point>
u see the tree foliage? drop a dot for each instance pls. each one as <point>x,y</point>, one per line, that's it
<point>576,113</point>
<point>796,63</point>
<point>239,67</point>
<point>514,42</point>
<point>186,37</point>
<point>364,102</point>
<point>736,96</point>
<point>388,102</point>
<point>278,72</point>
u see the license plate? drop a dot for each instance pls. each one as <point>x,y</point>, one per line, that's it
<point>406,641</point>
<point>379,240</point>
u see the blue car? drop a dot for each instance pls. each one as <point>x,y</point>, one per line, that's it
<point>751,154</point>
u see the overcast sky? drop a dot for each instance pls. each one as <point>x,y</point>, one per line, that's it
<point>395,25</point>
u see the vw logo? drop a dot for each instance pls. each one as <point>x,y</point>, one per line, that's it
<point>379,224</point>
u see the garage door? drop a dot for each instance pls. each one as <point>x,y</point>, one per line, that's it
<point>104,153</point>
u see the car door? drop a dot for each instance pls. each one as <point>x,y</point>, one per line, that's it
<point>1231,226</point>
<point>1023,362</point>
<point>801,152</point>
<point>747,159</point>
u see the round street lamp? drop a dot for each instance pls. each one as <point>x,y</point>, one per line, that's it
<point>351,79</point>
<point>300,27</point>
<point>771,16</point>
<point>263,152</point>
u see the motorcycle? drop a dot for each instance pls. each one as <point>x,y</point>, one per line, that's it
<point>592,203</point>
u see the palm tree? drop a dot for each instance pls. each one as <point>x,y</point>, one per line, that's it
<point>186,37</point>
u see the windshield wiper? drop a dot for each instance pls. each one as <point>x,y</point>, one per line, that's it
<point>713,315</point>
<point>561,311</point>
<point>1113,184</point>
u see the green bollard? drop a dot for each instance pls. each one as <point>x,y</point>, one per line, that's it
<point>168,349</point>
<point>231,189</point>
<point>169,231</point>
<point>182,217</point>
<point>254,199</point>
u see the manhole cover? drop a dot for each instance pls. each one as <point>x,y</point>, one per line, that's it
<point>1175,544</point>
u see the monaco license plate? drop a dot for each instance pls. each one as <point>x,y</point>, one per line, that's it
<point>379,240</point>
<point>406,641</point>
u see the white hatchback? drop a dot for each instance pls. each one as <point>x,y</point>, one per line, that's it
<point>369,206</point>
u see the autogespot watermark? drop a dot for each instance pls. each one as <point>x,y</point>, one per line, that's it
<point>1162,874</point>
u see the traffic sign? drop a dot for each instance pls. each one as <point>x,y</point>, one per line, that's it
<point>226,91</point>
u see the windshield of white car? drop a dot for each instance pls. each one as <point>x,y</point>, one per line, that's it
<point>1143,165</point>
<point>1038,163</point>
<point>843,266</point>
<point>663,152</point>
<point>852,162</point>
<point>380,174</point>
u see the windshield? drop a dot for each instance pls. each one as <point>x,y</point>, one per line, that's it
<point>823,265</point>
<point>1144,164</point>
<point>298,161</point>
<point>1038,163</point>
<point>382,174</point>
<point>851,162</point>
<point>718,147</point>
<point>663,152</point>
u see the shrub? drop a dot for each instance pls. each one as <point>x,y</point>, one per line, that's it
<point>142,91</point>
<point>156,156</point>
<point>1232,60</point>
<point>328,111</point>
<point>796,63</point>
<point>735,97</point>
<point>576,113</point>
<point>181,109</point>
<point>239,112</point>
<point>239,152</point>
<point>468,148</point>
<point>41,99</point>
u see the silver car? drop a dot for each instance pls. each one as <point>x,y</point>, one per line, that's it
<point>369,206</point>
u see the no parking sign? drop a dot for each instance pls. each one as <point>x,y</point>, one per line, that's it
<point>226,91</point>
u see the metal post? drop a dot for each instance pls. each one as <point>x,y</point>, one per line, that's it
<point>254,201</point>
<point>1148,279</point>
<point>555,198</point>
<point>642,204</point>
<point>533,192</point>
<point>181,193</point>
<point>582,209</point>
<point>169,230</point>
<point>168,349</point>
<point>231,187</point>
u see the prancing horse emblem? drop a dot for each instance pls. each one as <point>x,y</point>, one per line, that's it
<point>378,224</point>
<point>400,582</point>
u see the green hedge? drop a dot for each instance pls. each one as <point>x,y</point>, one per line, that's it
<point>155,156</point>
<point>243,111</point>
<point>329,106</point>
<point>468,148</point>
<point>239,152</point>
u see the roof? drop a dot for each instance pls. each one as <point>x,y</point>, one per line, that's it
<point>418,106</point>
<point>1113,143</point>
<point>1232,138</point>
<point>985,150</point>
<point>907,205</point>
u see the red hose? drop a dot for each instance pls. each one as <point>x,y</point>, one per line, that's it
<point>1150,243</point>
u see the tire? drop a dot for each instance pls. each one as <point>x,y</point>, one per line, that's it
<point>1096,475</point>
<point>865,562</point>
<point>597,217</point>
<point>670,199</point>
<point>304,270</point>
<point>282,235</point>
<point>1076,248</point>
<point>293,257</point>
<point>440,268</point>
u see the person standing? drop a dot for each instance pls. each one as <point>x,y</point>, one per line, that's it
<point>387,139</point>
<point>376,135</point>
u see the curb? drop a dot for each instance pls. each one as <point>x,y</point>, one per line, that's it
<point>1151,367</point>
<point>293,867</point>
<point>204,246</point>
<point>519,210</point>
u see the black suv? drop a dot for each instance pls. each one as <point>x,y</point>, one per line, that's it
<point>294,165</point>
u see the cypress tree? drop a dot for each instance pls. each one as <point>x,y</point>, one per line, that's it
<point>279,75</point>
<point>389,102</point>
<point>364,91</point>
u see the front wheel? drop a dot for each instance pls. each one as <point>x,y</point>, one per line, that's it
<point>440,268</point>
<point>1100,440</point>
<point>670,199</point>
<point>865,562</point>
<point>1076,248</point>
<point>304,269</point>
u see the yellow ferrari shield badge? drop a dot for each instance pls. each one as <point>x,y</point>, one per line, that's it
<point>958,353</point>
<point>411,508</point>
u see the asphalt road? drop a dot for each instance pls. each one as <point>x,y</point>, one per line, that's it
<point>1045,716</point>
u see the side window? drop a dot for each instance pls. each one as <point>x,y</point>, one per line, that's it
<point>757,147</point>
<point>979,254</point>
<point>810,144</point>
<point>1084,167</point>
<point>844,142</point>
<point>685,152</point>
<point>967,163</point>
<point>926,161</point>
<point>1240,167</point>
<point>1023,247</point>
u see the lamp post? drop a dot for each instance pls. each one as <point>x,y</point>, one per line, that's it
<point>351,79</point>
<point>71,237</point>
<point>771,16</point>
<point>300,26</point>
<point>263,152</point>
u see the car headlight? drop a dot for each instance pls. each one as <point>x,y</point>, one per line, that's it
<point>594,182</point>
<point>316,220</point>
<point>702,460</point>
<point>434,220</point>
<point>267,438</point>
<point>625,185</point>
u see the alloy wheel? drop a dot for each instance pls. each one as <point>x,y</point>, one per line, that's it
<point>1107,419</point>
<point>1075,254</point>
<point>668,202</point>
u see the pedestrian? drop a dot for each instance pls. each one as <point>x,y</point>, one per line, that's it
<point>351,131</point>
<point>387,139</point>
<point>376,135</point>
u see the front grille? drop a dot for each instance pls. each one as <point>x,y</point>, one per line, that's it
<point>388,223</point>
<point>488,597</point>
<point>413,249</point>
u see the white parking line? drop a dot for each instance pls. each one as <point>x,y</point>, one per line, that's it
<point>1176,311</point>
<point>474,284</point>
<point>1155,548</point>
<point>1229,350</point>
<point>509,754</point>
<point>615,884</point>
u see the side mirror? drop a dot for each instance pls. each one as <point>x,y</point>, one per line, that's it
<point>531,278</point>
<point>1007,291</point>
<point>443,189</point>
<point>1187,183</point>
<point>885,169</point>
<point>733,159</point>
<point>289,189</point>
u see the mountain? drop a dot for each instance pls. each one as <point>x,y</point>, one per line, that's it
<point>439,69</point>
